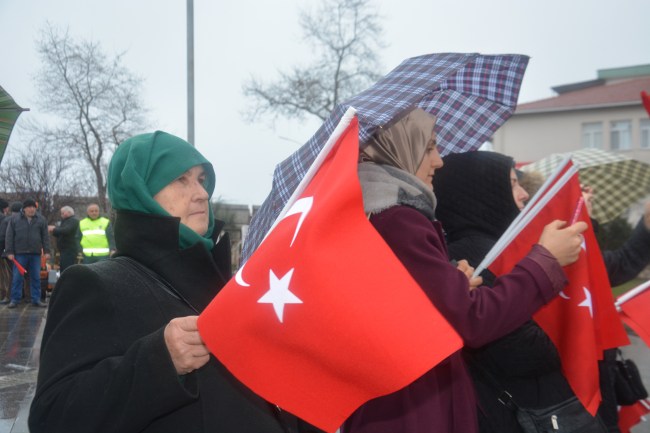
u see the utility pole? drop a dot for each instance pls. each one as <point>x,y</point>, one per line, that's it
<point>190,71</point>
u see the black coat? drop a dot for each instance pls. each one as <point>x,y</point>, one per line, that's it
<point>625,263</point>
<point>475,206</point>
<point>525,362</point>
<point>104,364</point>
<point>66,235</point>
<point>27,236</point>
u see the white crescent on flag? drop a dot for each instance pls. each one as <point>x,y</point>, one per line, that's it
<point>302,207</point>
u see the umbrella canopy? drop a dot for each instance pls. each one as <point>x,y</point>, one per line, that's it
<point>471,94</point>
<point>618,181</point>
<point>9,112</point>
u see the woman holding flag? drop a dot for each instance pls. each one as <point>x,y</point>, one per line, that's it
<point>121,351</point>
<point>479,197</point>
<point>396,172</point>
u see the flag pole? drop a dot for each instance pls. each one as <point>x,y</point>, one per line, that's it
<point>333,139</point>
<point>520,223</point>
<point>514,225</point>
<point>632,293</point>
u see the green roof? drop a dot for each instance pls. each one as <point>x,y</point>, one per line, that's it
<point>624,72</point>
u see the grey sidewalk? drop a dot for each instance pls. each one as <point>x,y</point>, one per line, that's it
<point>20,341</point>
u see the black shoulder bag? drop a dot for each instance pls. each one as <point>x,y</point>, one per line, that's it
<point>628,384</point>
<point>568,416</point>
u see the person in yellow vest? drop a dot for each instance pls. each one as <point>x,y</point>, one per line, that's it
<point>96,236</point>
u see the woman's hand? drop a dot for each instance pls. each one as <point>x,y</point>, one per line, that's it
<point>466,269</point>
<point>563,243</point>
<point>185,345</point>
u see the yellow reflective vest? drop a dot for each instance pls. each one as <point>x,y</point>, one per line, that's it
<point>94,241</point>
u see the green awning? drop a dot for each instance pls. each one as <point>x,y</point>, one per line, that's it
<point>9,112</point>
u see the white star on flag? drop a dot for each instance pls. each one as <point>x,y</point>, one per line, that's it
<point>279,294</point>
<point>587,302</point>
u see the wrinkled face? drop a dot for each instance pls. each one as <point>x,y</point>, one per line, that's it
<point>430,162</point>
<point>29,211</point>
<point>519,194</point>
<point>93,211</point>
<point>186,198</point>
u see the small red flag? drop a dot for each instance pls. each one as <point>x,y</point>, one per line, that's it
<point>582,321</point>
<point>645,98</point>
<point>635,312</point>
<point>323,317</point>
<point>20,267</point>
<point>629,416</point>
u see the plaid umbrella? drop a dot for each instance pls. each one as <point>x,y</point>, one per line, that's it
<point>9,112</point>
<point>618,181</point>
<point>471,94</point>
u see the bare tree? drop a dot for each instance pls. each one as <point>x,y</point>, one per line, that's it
<point>41,172</point>
<point>94,100</point>
<point>345,36</point>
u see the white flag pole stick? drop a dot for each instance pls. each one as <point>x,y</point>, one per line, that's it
<point>333,139</point>
<point>543,201</point>
<point>538,195</point>
<point>514,225</point>
<point>632,293</point>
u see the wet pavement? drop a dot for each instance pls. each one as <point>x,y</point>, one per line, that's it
<point>20,341</point>
<point>21,329</point>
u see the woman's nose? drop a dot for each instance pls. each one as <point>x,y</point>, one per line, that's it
<point>437,161</point>
<point>523,194</point>
<point>199,191</point>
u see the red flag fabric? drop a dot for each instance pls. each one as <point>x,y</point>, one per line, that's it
<point>20,267</point>
<point>582,321</point>
<point>629,416</point>
<point>645,98</point>
<point>634,312</point>
<point>323,317</point>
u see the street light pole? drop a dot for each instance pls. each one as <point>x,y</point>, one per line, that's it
<point>190,71</point>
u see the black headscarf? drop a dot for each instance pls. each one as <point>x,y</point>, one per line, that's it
<point>474,200</point>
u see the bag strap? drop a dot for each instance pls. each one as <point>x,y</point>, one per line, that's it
<point>162,283</point>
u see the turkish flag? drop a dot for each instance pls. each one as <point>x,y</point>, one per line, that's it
<point>323,317</point>
<point>629,416</point>
<point>634,312</point>
<point>582,321</point>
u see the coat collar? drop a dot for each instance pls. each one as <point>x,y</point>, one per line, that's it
<point>152,240</point>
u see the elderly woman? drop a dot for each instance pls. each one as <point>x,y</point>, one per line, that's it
<point>396,172</point>
<point>121,351</point>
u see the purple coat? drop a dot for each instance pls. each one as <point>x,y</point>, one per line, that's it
<point>443,399</point>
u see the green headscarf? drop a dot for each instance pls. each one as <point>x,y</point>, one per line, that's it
<point>143,165</point>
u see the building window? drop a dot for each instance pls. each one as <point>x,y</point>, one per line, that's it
<point>592,135</point>
<point>644,127</point>
<point>621,135</point>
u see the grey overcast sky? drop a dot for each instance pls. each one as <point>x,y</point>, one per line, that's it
<point>568,41</point>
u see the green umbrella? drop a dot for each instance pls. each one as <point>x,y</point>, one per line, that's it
<point>617,179</point>
<point>9,112</point>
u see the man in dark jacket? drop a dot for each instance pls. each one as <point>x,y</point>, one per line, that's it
<point>14,209</point>
<point>26,239</point>
<point>66,237</point>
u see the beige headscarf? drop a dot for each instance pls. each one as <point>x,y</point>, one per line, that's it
<point>403,142</point>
